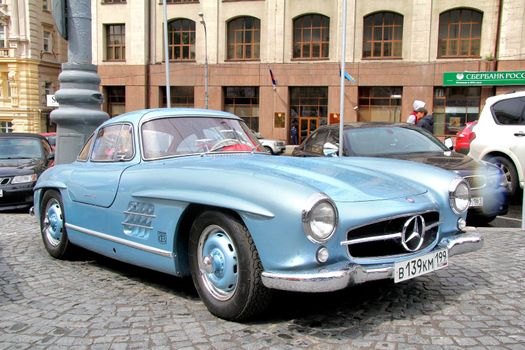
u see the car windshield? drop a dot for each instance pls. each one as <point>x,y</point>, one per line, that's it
<point>20,148</point>
<point>377,141</point>
<point>177,136</point>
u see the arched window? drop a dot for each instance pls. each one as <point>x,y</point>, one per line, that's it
<point>244,38</point>
<point>383,35</point>
<point>181,40</point>
<point>311,36</point>
<point>459,33</point>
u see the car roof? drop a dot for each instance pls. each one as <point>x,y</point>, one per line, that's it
<point>496,98</point>
<point>21,135</point>
<point>149,114</point>
<point>357,125</point>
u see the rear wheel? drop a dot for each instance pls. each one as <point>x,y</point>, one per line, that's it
<point>225,267</point>
<point>509,170</point>
<point>53,225</point>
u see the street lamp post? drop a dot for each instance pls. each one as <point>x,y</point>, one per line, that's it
<point>203,22</point>
<point>166,54</point>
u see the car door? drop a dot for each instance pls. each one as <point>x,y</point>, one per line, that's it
<point>96,181</point>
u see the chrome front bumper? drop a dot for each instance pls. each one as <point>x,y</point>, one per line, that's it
<point>346,274</point>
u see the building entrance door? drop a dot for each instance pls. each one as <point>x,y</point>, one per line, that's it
<point>306,126</point>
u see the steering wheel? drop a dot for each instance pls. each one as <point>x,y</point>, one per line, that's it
<point>222,143</point>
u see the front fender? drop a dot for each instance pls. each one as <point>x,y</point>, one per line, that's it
<point>207,198</point>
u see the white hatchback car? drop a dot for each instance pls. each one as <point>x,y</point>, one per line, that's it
<point>500,136</point>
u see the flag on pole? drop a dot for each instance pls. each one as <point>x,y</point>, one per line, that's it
<point>274,82</point>
<point>348,77</point>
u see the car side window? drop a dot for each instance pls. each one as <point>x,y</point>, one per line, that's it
<point>316,142</point>
<point>84,153</point>
<point>113,143</point>
<point>509,112</point>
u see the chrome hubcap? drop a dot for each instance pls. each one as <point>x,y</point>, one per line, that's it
<point>53,222</point>
<point>218,263</point>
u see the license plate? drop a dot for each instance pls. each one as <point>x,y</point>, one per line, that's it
<point>405,270</point>
<point>476,201</point>
<point>1,193</point>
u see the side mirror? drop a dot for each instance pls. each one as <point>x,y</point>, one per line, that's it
<point>330,150</point>
<point>449,143</point>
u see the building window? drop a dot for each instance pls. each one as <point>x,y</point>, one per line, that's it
<point>244,38</point>
<point>308,109</point>
<point>454,107</point>
<point>2,37</point>
<point>45,5</point>
<point>383,35</point>
<point>6,126</point>
<point>180,96</point>
<point>115,42</point>
<point>244,102</point>
<point>47,87</point>
<point>379,104</point>
<point>459,33</point>
<point>311,36</point>
<point>47,44</point>
<point>181,40</point>
<point>116,100</point>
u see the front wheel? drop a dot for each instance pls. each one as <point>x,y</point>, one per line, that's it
<point>225,267</point>
<point>509,170</point>
<point>53,225</point>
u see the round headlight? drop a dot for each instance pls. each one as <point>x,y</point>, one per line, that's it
<point>320,219</point>
<point>459,196</point>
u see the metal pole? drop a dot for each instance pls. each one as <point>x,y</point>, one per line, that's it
<point>203,22</point>
<point>166,55</point>
<point>342,83</point>
<point>79,97</point>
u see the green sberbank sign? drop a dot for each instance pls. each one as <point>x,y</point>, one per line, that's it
<point>483,78</point>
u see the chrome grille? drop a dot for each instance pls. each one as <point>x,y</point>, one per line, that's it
<point>384,238</point>
<point>5,180</point>
<point>476,182</point>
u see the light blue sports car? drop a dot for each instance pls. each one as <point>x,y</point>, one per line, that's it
<point>192,192</point>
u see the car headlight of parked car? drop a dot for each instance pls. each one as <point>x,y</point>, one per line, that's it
<point>319,218</point>
<point>21,179</point>
<point>459,196</point>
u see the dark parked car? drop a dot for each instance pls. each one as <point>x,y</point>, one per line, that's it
<point>489,195</point>
<point>23,157</point>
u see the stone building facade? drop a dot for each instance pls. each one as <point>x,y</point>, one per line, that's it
<point>31,53</point>
<point>396,52</point>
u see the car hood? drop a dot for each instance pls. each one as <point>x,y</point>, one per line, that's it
<point>9,167</point>
<point>339,179</point>
<point>452,161</point>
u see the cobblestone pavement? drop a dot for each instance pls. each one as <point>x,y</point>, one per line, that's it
<point>95,303</point>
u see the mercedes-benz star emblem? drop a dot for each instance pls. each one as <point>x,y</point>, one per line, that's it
<point>413,233</point>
